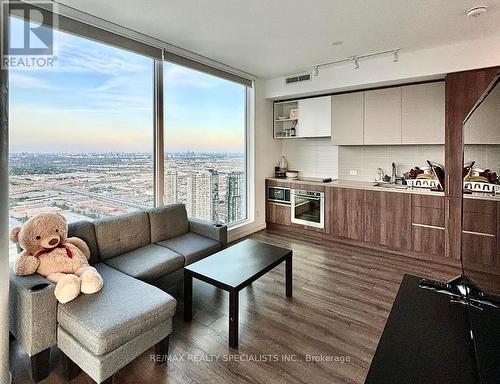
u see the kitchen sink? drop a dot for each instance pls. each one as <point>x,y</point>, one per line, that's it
<point>389,185</point>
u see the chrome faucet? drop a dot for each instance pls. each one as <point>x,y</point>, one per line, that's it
<point>393,174</point>
<point>380,174</point>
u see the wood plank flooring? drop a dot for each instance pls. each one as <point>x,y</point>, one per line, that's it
<point>341,299</point>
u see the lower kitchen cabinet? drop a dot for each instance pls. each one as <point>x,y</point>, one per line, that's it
<point>480,232</point>
<point>428,225</point>
<point>428,241</point>
<point>387,219</point>
<point>479,249</point>
<point>347,213</point>
<point>278,214</point>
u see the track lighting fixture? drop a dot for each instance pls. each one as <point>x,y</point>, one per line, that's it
<point>355,59</point>
<point>395,59</point>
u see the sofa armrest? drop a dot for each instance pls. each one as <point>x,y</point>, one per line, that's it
<point>208,229</point>
<point>33,312</point>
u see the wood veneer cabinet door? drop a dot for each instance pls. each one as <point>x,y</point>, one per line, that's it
<point>428,210</point>
<point>387,219</point>
<point>428,241</point>
<point>479,236</point>
<point>347,213</point>
<point>278,214</point>
<point>428,218</point>
<point>374,217</point>
<point>399,221</point>
<point>479,249</point>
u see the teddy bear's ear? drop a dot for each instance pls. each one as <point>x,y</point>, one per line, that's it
<point>61,217</point>
<point>14,234</point>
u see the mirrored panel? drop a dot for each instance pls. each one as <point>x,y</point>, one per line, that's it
<point>481,192</point>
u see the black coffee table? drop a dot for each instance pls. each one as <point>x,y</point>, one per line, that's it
<point>233,269</point>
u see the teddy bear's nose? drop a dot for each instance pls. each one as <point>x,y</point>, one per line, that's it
<point>53,241</point>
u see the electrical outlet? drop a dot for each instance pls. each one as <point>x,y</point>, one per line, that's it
<point>353,172</point>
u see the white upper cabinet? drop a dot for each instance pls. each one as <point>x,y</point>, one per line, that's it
<point>423,113</point>
<point>315,117</point>
<point>382,115</point>
<point>347,119</point>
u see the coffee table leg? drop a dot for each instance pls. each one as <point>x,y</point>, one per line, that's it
<point>188,296</point>
<point>233,318</point>
<point>288,277</point>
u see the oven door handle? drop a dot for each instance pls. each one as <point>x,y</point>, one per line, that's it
<point>310,198</point>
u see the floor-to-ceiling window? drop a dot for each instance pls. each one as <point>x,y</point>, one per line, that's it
<point>81,133</point>
<point>205,144</point>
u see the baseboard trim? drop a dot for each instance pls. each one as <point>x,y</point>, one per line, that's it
<point>243,231</point>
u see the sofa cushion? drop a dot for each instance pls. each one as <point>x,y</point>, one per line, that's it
<point>192,246</point>
<point>148,263</point>
<point>85,231</point>
<point>123,309</point>
<point>168,222</point>
<point>118,235</point>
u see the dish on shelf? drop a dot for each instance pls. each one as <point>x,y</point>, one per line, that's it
<point>292,174</point>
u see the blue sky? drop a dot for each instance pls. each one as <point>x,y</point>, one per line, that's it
<point>99,98</point>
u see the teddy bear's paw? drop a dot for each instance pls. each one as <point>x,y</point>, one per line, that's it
<point>91,281</point>
<point>67,288</point>
<point>26,265</point>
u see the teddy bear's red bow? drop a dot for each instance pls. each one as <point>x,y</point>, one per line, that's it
<point>44,251</point>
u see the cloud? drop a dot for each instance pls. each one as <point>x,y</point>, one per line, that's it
<point>24,81</point>
<point>80,55</point>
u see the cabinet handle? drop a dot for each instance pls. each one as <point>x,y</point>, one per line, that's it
<point>478,233</point>
<point>447,202</point>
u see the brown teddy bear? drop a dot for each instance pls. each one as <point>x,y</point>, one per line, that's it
<point>62,260</point>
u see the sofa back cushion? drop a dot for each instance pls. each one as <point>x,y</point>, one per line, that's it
<point>85,231</point>
<point>121,234</point>
<point>168,222</point>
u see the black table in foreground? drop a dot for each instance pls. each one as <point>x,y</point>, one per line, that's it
<point>427,339</point>
<point>233,269</point>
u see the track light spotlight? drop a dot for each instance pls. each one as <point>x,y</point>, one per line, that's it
<point>356,62</point>
<point>395,59</point>
<point>316,70</point>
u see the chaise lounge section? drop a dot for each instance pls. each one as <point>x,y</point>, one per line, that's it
<point>141,257</point>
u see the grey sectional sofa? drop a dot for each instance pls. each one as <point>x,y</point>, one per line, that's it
<point>141,257</point>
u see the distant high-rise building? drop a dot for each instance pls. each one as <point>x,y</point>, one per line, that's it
<point>235,197</point>
<point>170,187</point>
<point>203,195</point>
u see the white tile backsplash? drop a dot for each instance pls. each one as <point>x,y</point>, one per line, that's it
<point>485,156</point>
<point>320,158</point>
<point>311,157</point>
<point>367,159</point>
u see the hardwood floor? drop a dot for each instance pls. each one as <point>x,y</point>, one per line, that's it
<point>341,299</point>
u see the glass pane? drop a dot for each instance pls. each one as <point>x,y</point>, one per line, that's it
<point>81,133</point>
<point>205,139</point>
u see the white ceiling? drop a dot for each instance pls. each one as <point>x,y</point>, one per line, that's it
<point>270,38</point>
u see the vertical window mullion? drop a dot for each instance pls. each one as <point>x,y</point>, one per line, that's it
<point>159,153</point>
